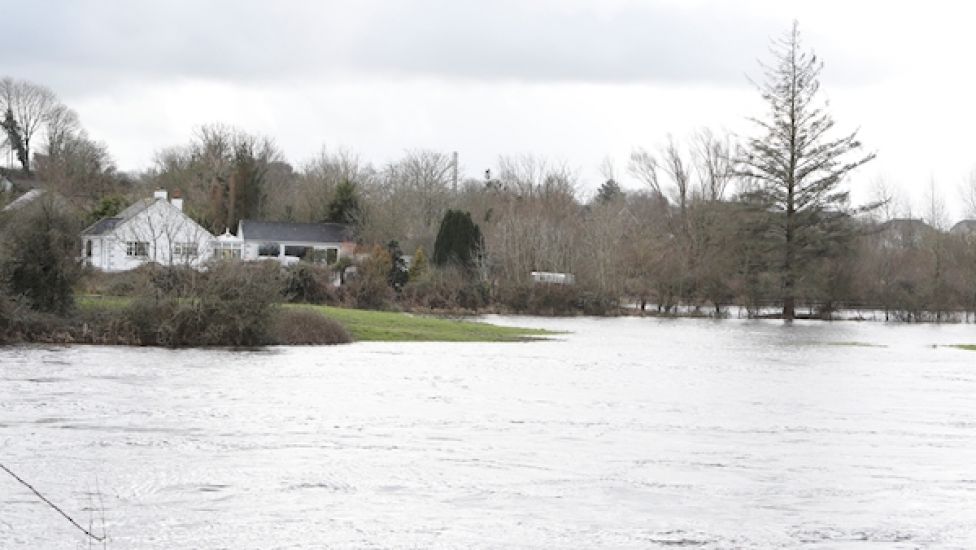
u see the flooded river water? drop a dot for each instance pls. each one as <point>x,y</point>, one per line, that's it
<point>621,433</point>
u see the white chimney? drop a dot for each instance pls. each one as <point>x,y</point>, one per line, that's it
<point>177,200</point>
<point>161,194</point>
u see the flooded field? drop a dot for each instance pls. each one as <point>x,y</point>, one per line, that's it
<point>621,433</point>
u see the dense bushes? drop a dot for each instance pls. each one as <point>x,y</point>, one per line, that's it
<point>307,327</point>
<point>445,289</point>
<point>232,304</point>
<point>370,287</point>
<point>310,284</point>
<point>38,255</point>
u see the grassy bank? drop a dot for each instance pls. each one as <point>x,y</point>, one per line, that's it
<point>378,326</point>
<point>386,326</point>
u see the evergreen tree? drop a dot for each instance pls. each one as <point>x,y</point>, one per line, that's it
<point>344,207</point>
<point>458,240</point>
<point>609,192</point>
<point>107,207</point>
<point>15,138</point>
<point>796,167</point>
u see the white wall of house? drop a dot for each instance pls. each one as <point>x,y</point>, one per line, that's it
<point>161,233</point>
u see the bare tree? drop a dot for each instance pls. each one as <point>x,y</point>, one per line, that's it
<point>530,176</point>
<point>31,105</point>
<point>968,192</point>
<point>797,165</point>
<point>884,196</point>
<point>935,207</point>
<point>223,173</point>
<point>714,164</point>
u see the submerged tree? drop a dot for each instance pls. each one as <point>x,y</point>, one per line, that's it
<point>797,167</point>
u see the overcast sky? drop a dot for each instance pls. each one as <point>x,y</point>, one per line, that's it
<point>575,80</point>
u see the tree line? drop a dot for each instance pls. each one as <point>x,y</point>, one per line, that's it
<point>758,221</point>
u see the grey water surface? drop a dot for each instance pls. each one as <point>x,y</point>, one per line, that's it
<point>620,433</point>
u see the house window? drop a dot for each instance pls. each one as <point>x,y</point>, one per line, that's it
<point>296,251</point>
<point>88,249</point>
<point>228,252</point>
<point>138,249</point>
<point>269,250</point>
<point>331,256</point>
<point>185,250</point>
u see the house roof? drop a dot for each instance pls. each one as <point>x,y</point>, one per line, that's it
<point>24,200</point>
<point>903,224</point>
<point>294,232</point>
<point>137,207</point>
<point>965,226</point>
<point>102,226</point>
<point>107,225</point>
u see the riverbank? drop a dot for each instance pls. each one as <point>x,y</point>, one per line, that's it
<point>366,325</point>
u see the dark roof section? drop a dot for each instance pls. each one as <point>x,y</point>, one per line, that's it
<point>907,224</point>
<point>102,226</point>
<point>253,230</point>
<point>106,225</point>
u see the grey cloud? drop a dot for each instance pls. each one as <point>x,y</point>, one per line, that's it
<point>80,45</point>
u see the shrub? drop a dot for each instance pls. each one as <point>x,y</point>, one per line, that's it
<point>20,323</point>
<point>307,327</point>
<point>369,288</point>
<point>40,246</point>
<point>446,288</point>
<point>236,303</point>
<point>310,284</point>
<point>233,304</point>
<point>548,299</point>
<point>171,280</point>
<point>8,314</point>
<point>122,283</point>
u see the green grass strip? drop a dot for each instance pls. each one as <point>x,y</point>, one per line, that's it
<point>967,347</point>
<point>387,326</point>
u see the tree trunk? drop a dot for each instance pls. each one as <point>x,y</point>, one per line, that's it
<point>26,160</point>
<point>789,283</point>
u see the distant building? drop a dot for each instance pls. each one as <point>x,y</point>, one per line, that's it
<point>905,232</point>
<point>552,278</point>
<point>965,228</point>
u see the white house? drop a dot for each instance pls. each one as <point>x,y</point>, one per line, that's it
<point>290,242</point>
<point>151,230</point>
